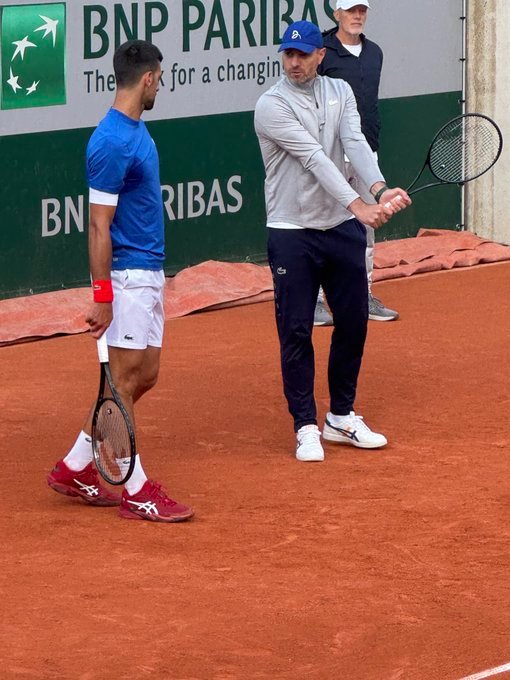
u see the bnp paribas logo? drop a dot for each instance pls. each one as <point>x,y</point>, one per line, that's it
<point>33,39</point>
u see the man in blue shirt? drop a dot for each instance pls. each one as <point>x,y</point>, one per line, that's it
<point>126,253</point>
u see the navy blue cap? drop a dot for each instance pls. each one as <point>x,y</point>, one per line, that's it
<point>303,36</point>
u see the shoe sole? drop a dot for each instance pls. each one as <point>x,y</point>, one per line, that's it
<point>340,439</point>
<point>69,491</point>
<point>310,460</point>
<point>374,317</point>
<point>128,514</point>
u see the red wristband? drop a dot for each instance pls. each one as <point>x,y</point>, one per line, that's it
<point>103,291</point>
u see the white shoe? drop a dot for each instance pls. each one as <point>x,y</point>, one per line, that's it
<point>351,430</point>
<point>309,447</point>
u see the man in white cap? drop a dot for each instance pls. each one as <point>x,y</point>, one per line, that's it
<point>306,124</point>
<point>357,60</point>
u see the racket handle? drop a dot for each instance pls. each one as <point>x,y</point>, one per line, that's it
<point>102,349</point>
<point>397,198</point>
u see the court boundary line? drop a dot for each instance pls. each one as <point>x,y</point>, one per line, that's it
<point>488,673</point>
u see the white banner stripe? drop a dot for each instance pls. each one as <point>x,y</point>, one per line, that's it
<point>489,673</point>
<point>208,70</point>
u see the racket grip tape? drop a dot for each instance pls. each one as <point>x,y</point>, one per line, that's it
<point>102,349</point>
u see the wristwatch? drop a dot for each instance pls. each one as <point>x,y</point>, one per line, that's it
<point>378,194</point>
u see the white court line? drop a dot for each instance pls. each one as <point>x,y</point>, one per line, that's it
<point>489,673</point>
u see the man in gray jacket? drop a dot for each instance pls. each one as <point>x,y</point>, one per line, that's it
<point>306,125</point>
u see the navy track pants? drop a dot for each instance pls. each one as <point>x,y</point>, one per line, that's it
<point>301,260</point>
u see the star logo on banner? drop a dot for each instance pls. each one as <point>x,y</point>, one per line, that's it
<point>21,46</point>
<point>32,55</point>
<point>13,81</point>
<point>32,87</point>
<point>49,27</point>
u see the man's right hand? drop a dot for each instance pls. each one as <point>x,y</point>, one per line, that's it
<point>372,215</point>
<point>99,318</point>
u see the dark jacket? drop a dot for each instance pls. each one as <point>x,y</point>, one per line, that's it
<point>363,74</point>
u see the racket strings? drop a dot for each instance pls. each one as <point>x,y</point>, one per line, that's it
<point>465,149</point>
<point>112,440</point>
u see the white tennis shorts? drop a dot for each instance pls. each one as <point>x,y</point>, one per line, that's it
<point>138,313</point>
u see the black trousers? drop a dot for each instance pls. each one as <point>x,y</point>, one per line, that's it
<point>301,260</point>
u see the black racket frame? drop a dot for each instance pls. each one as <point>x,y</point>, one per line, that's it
<point>106,378</point>
<point>442,182</point>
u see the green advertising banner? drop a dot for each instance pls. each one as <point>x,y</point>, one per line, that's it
<point>57,82</point>
<point>212,191</point>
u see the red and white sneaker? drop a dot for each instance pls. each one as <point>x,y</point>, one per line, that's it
<point>152,503</point>
<point>84,484</point>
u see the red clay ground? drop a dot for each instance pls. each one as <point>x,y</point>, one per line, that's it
<point>390,565</point>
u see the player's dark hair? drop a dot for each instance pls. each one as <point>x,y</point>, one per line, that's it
<point>134,58</point>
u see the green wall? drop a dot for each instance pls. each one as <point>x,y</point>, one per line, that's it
<point>408,128</point>
<point>51,166</point>
<point>207,148</point>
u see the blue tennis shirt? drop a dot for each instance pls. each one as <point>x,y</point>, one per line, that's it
<point>122,159</point>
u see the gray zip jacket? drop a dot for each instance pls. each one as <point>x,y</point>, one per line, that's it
<point>304,133</point>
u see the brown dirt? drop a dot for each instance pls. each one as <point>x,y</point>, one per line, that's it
<point>389,565</point>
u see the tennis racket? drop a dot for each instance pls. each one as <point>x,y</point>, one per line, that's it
<point>462,150</point>
<point>113,437</point>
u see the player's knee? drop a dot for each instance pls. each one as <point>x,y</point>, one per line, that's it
<point>149,381</point>
<point>127,384</point>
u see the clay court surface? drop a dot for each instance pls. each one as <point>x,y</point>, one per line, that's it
<point>388,565</point>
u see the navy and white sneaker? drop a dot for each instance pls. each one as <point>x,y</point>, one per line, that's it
<point>352,430</point>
